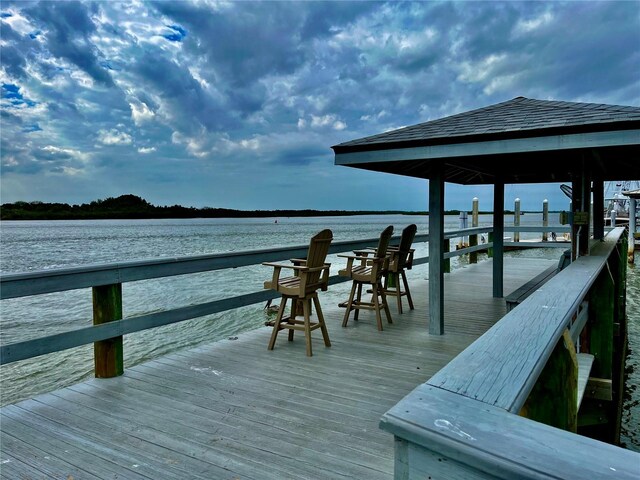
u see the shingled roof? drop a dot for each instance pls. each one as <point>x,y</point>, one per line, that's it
<point>522,140</point>
<point>522,116</point>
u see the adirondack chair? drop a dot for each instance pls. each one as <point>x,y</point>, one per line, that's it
<point>401,258</point>
<point>310,274</point>
<point>368,270</point>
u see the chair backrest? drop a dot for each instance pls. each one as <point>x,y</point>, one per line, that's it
<point>383,243</point>
<point>408,234</point>
<point>318,250</point>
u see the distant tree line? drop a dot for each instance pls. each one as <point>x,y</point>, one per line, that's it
<point>134,207</point>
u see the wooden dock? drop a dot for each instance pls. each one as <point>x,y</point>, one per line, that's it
<point>232,409</point>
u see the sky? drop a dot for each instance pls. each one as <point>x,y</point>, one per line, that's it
<point>236,104</point>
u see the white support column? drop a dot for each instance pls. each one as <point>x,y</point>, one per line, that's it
<point>436,241</point>
<point>498,238</point>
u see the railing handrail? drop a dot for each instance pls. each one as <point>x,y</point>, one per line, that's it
<point>467,416</point>
<point>485,441</point>
<point>535,228</point>
<point>24,284</point>
<point>49,281</point>
<point>501,367</point>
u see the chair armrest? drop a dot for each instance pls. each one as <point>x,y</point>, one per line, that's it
<point>350,259</point>
<point>325,278</point>
<point>277,268</point>
<point>356,257</point>
<point>366,251</point>
<point>284,265</point>
<point>273,264</point>
<point>314,269</point>
<point>322,282</point>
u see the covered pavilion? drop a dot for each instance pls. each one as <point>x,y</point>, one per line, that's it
<point>522,140</point>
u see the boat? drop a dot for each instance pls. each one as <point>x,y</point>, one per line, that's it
<point>616,199</point>
<point>617,202</point>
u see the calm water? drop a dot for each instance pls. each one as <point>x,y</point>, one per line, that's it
<point>41,245</point>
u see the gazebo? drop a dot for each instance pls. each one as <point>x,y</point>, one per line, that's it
<point>518,141</point>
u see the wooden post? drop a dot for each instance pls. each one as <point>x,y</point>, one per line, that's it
<point>580,201</point>
<point>473,239</point>
<point>498,238</point>
<point>446,263</point>
<point>463,223</point>
<point>436,237</point>
<point>516,219</point>
<point>554,398</point>
<point>632,229</point>
<point>620,340</point>
<point>107,307</point>
<point>602,307</point>
<point>598,209</point>
<point>545,218</point>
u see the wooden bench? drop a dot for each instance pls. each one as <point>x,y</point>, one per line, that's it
<point>519,295</point>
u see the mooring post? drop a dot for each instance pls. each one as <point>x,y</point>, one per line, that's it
<point>545,218</point>
<point>516,220</point>
<point>464,223</point>
<point>473,239</point>
<point>107,307</point>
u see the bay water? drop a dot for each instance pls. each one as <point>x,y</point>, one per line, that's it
<point>44,245</point>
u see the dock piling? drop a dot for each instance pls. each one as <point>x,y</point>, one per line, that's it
<point>516,220</point>
<point>464,223</point>
<point>545,218</point>
<point>473,239</point>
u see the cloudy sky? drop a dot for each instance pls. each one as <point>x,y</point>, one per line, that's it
<point>236,105</point>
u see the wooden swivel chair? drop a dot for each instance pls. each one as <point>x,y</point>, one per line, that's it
<point>310,274</point>
<point>369,270</point>
<point>401,258</point>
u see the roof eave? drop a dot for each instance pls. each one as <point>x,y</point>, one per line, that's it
<point>349,147</point>
<point>601,139</point>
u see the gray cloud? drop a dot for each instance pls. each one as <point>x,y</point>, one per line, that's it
<point>185,97</point>
<point>204,93</point>
<point>69,28</point>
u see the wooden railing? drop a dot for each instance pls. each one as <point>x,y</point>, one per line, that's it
<point>507,406</point>
<point>106,284</point>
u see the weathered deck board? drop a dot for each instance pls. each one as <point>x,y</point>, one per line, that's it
<point>233,409</point>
